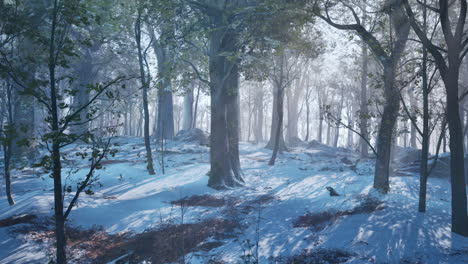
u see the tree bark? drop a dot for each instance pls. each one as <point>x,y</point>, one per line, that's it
<point>224,87</point>
<point>387,125</point>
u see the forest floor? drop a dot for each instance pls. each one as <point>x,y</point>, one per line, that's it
<point>284,214</point>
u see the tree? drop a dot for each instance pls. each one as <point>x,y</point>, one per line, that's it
<point>145,85</point>
<point>389,59</point>
<point>162,20</point>
<point>455,42</point>
<point>7,132</point>
<point>61,16</point>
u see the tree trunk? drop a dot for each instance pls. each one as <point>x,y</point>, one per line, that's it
<point>307,121</point>
<point>259,115</point>
<point>195,110</point>
<point>24,122</point>
<point>86,72</point>
<point>7,145</point>
<point>457,164</point>
<point>164,53</point>
<point>61,241</point>
<point>275,120</point>
<point>293,115</point>
<point>320,129</point>
<point>387,125</point>
<point>413,104</point>
<point>277,140</point>
<point>278,82</point>
<point>224,86</point>
<point>145,84</point>
<point>188,108</point>
<point>423,174</point>
<point>364,110</point>
<point>233,123</point>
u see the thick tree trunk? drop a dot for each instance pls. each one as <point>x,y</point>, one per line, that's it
<point>233,123</point>
<point>165,128</point>
<point>24,122</point>
<point>457,164</point>
<point>387,125</point>
<point>224,87</point>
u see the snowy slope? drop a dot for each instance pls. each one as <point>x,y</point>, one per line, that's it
<point>268,208</point>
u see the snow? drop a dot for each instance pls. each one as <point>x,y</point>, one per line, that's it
<point>131,200</point>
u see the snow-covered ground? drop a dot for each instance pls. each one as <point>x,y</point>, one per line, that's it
<point>275,197</point>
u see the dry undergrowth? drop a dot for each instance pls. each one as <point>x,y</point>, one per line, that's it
<point>318,221</point>
<point>166,244</point>
<point>200,200</point>
<point>17,219</point>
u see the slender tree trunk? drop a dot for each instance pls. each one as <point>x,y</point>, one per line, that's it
<point>259,115</point>
<point>364,110</point>
<point>61,241</point>
<point>337,124</point>
<point>7,146</point>
<point>195,111</point>
<point>145,84</point>
<point>307,121</point>
<point>320,129</point>
<point>188,108</point>
<point>275,120</point>
<point>413,104</point>
<point>279,108</point>
<point>276,148</point>
<point>426,135</point>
